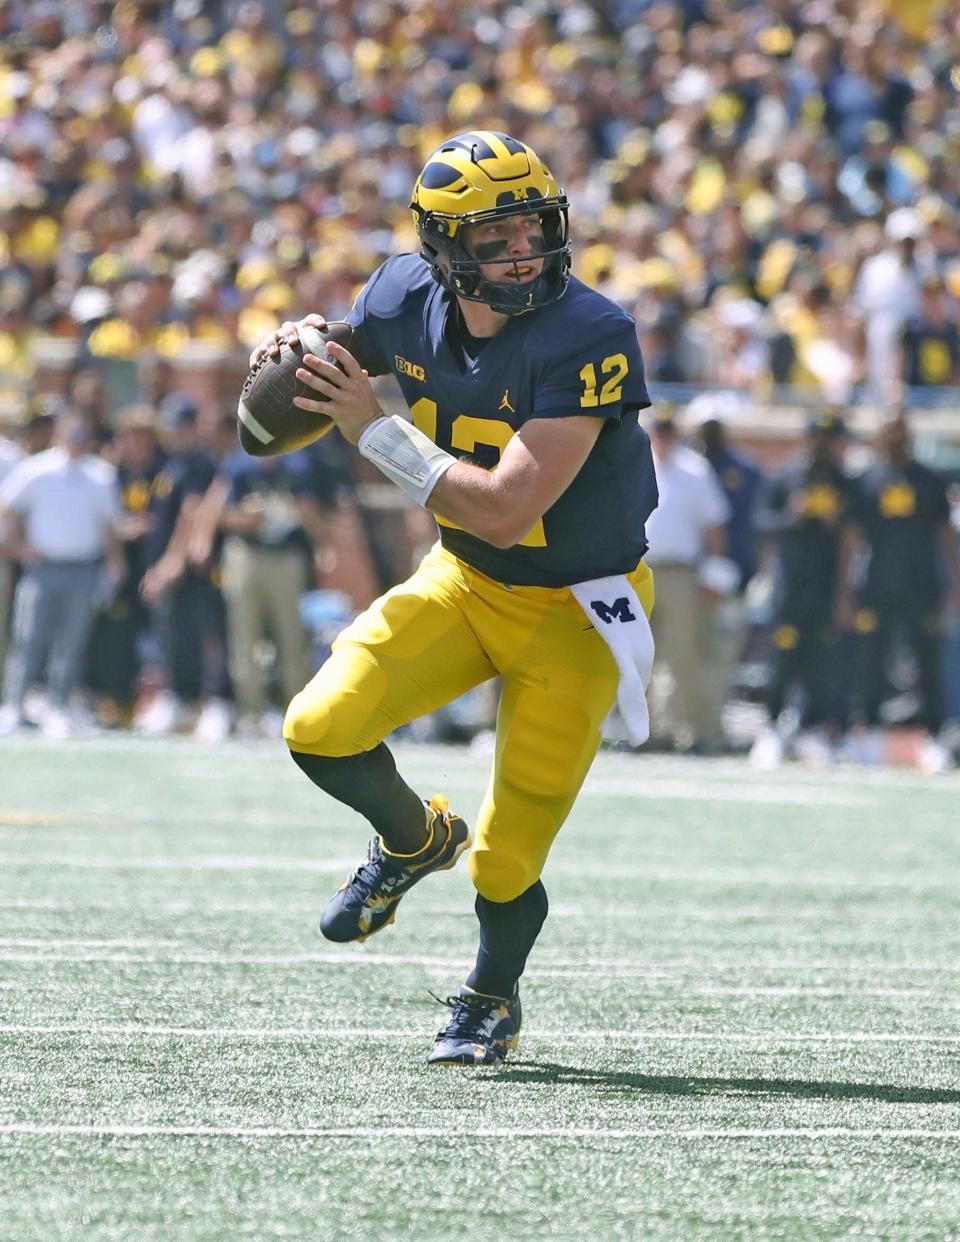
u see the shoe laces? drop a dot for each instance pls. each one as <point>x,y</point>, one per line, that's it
<point>370,872</point>
<point>468,1015</point>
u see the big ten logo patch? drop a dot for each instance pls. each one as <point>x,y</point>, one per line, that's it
<point>413,369</point>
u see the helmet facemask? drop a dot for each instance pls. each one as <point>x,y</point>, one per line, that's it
<point>460,271</point>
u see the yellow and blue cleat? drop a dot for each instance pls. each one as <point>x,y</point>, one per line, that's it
<point>481,1031</point>
<point>366,902</point>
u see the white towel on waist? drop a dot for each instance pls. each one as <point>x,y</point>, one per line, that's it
<point>614,608</point>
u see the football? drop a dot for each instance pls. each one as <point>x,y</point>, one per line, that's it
<point>268,421</point>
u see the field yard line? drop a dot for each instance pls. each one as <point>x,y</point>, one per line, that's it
<point>226,863</point>
<point>21,942</point>
<point>661,789</point>
<point>779,880</point>
<point>359,1032</point>
<point>544,972</point>
<point>369,959</point>
<point>340,960</point>
<point>584,968</point>
<point>64,1130</point>
<point>647,911</point>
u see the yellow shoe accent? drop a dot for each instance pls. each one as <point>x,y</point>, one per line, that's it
<point>386,923</point>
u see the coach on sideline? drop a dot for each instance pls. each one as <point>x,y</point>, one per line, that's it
<point>688,552</point>
<point>62,507</point>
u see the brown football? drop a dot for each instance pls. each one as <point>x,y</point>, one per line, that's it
<point>268,421</point>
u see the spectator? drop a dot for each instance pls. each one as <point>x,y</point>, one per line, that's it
<point>887,295</point>
<point>912,574</point>
<point>275,530</point>
<point>38,431</point>
<point>63,509</point>
<point>187,606</point>
<point>951,644</point>
<point>121,627</point>
<point>10,455</point>
<point>930,342</point>
<point>805,512</point>
<point>712,416</point>
<point>688,556</point>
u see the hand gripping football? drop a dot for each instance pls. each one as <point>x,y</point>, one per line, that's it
<point>268,421</point>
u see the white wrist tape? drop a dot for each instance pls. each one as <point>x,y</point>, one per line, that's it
<point>405,455</point>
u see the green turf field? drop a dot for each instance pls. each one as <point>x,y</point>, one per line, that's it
<point>742,1018</point>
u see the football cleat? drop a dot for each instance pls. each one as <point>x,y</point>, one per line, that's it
<point>481,1031</point>
<point>367,900</point>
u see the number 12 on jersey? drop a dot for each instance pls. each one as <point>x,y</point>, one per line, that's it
<point>466,434</point>
<point>615,369</point>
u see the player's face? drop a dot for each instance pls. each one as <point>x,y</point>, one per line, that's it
<point>507,248</point>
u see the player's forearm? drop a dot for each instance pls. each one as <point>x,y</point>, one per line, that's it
<point>484,503</point>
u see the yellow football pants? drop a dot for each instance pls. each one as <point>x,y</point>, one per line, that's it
<point>433,637</point>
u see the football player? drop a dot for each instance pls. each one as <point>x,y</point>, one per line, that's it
<point>523,386</point>
<point>807,509</point>
<point>912,576</point>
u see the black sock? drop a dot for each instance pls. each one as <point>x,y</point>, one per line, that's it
<point>508,930</point>
<point>371,784</point>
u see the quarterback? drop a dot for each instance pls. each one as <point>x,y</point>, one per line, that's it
<point>523,387</point>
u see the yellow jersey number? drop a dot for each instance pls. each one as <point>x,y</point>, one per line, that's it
<point>615,369</point>
<point>466,434</point>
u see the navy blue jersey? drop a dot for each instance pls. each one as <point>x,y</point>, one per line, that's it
<point>900,509</point>
<point>808,504</point>
<point>277,483</point>
<point>577,356</point>
<point>741,480</point>
<point>183,475</point>
<point>136,495</point>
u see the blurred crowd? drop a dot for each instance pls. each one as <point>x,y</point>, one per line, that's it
<point>771,186</point>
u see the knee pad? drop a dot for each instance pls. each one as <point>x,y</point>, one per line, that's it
<point>337,713</point>
<point>304,726</point>
<point>501,877</point>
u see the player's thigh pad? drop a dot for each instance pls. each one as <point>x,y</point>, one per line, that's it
<point>409,653</point>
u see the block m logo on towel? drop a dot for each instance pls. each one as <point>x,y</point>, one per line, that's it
<point>619,610</point>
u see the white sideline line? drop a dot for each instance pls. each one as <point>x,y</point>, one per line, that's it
<point>449,1132</point>
<point>592,1036</point>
